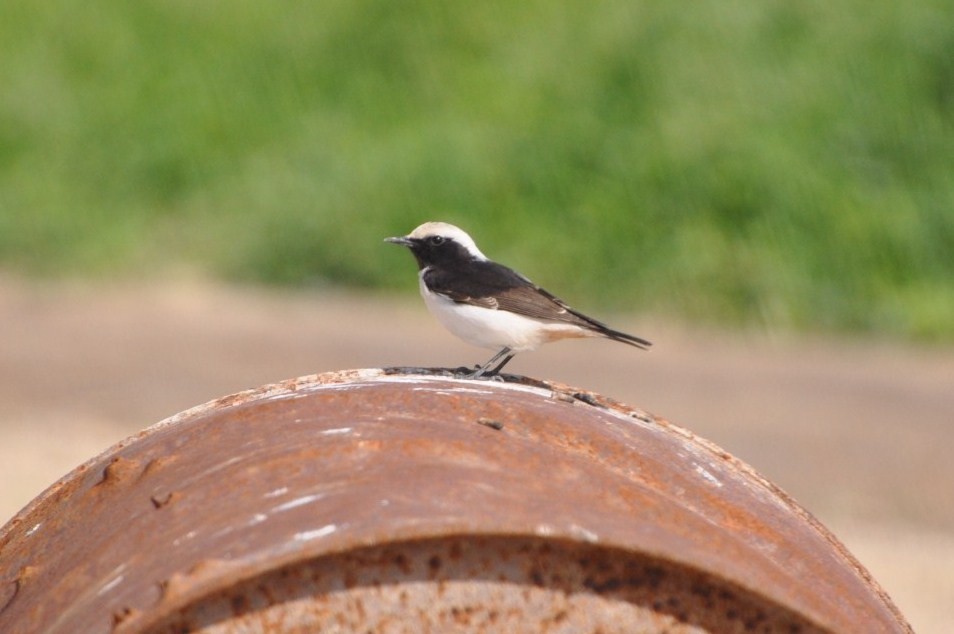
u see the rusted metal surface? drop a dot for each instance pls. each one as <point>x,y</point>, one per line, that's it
<point>407,501</point>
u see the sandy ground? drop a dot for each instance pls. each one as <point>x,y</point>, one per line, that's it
<point>859,433</point>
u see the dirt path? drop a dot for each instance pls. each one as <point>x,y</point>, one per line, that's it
<point>861,434</point>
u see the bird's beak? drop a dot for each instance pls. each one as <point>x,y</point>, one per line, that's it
<point>402,240</point>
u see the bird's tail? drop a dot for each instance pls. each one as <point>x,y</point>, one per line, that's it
<point>599,328</point>
<point>622,337</point>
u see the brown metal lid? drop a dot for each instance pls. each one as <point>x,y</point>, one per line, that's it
<point>399,498</point>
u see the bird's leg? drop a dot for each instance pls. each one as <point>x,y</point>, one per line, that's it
<point>506,360</point>
<point>489,368</point>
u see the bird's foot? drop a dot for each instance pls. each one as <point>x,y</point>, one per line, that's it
<point>478,373</point>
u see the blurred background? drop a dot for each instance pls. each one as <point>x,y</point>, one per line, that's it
<point>193,198</point>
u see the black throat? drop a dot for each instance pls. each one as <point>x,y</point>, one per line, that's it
<point>448,255</point>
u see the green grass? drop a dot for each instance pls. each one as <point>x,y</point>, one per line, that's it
<point>776,164</point>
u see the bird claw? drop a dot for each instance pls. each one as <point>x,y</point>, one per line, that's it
<point>477,374</point>
<point>464,372</point>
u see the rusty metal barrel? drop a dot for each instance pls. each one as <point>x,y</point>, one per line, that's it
<point>408,500</point>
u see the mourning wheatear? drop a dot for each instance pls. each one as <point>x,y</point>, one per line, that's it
<point>490,305</point>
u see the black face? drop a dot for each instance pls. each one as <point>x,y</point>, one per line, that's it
<point>439,250</point>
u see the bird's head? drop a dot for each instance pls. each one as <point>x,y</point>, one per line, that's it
<point>439,243</point>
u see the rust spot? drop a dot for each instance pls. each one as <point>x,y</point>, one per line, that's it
<point>232,399</point>
<point>655,576</point>
<point>462,615</point>
<point>13,588</point>
<point>588,398</point>
<point>536,576</point>
<point>266,591</point>
<point>490,422</point>
<point>27,574</point>
<point>7,592</point>
<point>173,587</point>
<point>157,464</point>
<point>701,590</point>
<point>240,605</point>
<point>179,584</point>
<point>124,615</point>
<point>119,470</point>
<point>160,500</point>
<point>402,562</point>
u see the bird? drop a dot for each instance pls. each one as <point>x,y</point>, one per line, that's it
<point>490,305</point>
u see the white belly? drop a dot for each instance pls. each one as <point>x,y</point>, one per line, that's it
<point>495,329</point>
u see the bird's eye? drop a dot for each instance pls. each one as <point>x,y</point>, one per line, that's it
<point>436,240</point>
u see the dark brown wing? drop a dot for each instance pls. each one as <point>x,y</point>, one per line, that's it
<point>536,302</point>
<point>533,301</point>
<point>491,285</point>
